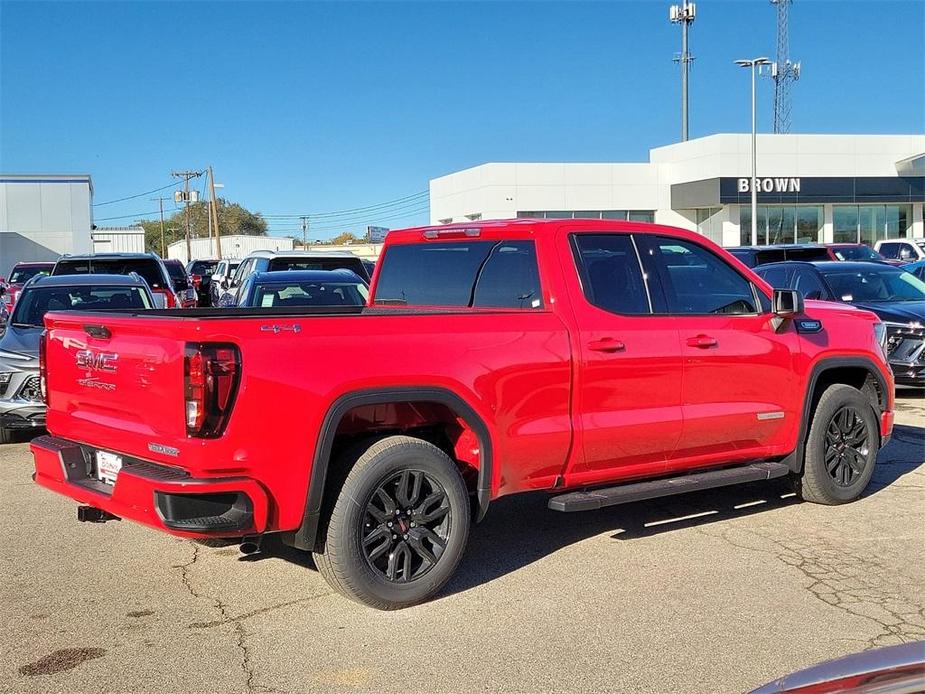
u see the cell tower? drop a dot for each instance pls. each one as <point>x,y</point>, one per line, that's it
<point>783,71</point>
<point>683,14</point>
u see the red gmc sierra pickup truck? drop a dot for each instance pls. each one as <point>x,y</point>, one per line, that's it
<point>605,362</point>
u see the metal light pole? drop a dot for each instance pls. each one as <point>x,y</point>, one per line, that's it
<point>753,63</point>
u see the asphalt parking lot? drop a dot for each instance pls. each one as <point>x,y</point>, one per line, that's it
<point>715,592</point>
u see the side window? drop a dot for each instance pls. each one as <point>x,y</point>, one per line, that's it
<point>697,282</point>
<point>509,278</point>
<point>808,284</point>
<point>775,276</point>
<point>890,250</point>
<point>243,271</point>
<point>610,274</point>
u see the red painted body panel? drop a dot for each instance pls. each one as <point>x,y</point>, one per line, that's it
<point>558,413</point>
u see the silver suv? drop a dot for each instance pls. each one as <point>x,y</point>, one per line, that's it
<point>21,405</point>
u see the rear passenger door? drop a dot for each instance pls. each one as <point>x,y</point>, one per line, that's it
<point>628,378</point>
<point>738,383</point>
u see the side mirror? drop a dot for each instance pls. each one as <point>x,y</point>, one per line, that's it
<point>787,303</point>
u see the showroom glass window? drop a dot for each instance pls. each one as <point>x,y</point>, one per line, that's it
<point>870,223</point>
<point>782,224</point>
<point>624,215</point>
<point>710,224</point>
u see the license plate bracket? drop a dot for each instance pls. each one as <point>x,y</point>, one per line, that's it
<point>108,466</point>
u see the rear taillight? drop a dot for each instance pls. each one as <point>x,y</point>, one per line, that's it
<point>170,299</point>
<point>197,280</point>
<point>211,375</point>
<point>43,368</point>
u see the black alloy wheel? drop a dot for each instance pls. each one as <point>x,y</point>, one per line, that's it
<point>847,446</point>
<point>407,526</point>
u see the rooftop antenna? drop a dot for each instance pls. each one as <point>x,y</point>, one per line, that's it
<point>683,14</point>
<point>783,71</point>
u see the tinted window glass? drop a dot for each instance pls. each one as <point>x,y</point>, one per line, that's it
<point>460,273</point>
<point>698,282</point>
<point>148,268</point>
<point>875,284</point>
<point>310,294</point>
<point>21,275</point>
<point>891,250</point>
<point>203,267</point>
<point>856,253</point>
<point>808,283</point>
<point>353,264</point>
<point>177,276</point>
<point>509,278</point>
<point>775,276</point>
<point>35,302</point>
<point>610,273</point>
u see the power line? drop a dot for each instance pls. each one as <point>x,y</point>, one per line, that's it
<point>126,216</point>
<point>356,217</point>
<point>337,213</point>
<point>132,197</point>
<point>338,226</point>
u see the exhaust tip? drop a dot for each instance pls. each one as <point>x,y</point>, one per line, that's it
<point>250,545</point>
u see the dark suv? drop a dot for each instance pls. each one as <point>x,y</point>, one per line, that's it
<point>753,256</point>
<point>149,266</point>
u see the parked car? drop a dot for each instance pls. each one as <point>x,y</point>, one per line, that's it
<point>602,361</point>
<point>182,284</point>
<point>854,251</point>
<point>904,250</point>
<point>290,288</point>
<point>224,271</point>
<point>896,669</point>
<point>370,267</point>
<point>149,266</point>
<point>21,405</point>
<point>200,272</point>
<point>752,256</point>
<point>19,275</point>
<point>275,261</point>
<point>896,296</point>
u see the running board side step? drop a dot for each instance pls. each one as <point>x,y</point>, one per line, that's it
<point>593,499</point>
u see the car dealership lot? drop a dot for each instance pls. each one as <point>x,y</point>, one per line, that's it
<point>719,591</point>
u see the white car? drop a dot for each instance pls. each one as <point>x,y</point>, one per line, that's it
<point>901,249</point>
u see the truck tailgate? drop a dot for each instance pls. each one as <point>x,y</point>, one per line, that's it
<point>115,378</point>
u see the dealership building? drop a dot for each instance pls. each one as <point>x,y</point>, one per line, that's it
<point>811,188</point>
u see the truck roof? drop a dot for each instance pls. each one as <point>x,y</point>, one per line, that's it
<point>522,228</point>
<point>105,256</point>
<point>339,275</point>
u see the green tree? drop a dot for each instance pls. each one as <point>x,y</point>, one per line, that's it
<point>345,237</point>
<point>232,219</point>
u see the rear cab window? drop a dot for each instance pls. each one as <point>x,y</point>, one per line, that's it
<point>465,274</point>
<point>147,268</point>
<point>177,276</point>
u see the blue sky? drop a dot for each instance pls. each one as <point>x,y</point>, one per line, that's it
<point>313,107</point>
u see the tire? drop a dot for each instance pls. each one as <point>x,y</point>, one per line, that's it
<point>390,564</point>
<point>838,465</point>
<point>6,436</point>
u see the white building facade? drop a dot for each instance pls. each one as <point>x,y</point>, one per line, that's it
<point>43,216</point>
<point>811,188</point>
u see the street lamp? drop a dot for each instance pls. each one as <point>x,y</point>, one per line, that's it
<point>753,63</point>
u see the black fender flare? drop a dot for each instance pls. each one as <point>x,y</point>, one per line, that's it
<point>306,535</point>
<point>795,459</point>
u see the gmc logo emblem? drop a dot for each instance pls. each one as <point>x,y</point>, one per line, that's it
<point>92,361</point>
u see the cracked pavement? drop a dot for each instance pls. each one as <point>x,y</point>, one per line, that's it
<point>719,591</point>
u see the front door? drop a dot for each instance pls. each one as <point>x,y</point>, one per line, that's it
<point>738,389</point>
<point>628,381</point>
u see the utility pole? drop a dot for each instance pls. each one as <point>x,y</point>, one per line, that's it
<point>683,14</point>
<point>213,207</point>
<point>304,232</point>
<point>160,202</point>
<point>783,71</point>
<point>185,198</point>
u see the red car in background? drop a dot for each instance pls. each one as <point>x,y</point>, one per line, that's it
<point>22,273</point>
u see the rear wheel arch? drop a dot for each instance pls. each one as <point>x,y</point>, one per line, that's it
<point>858,372</point>
<point>307,536</point>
